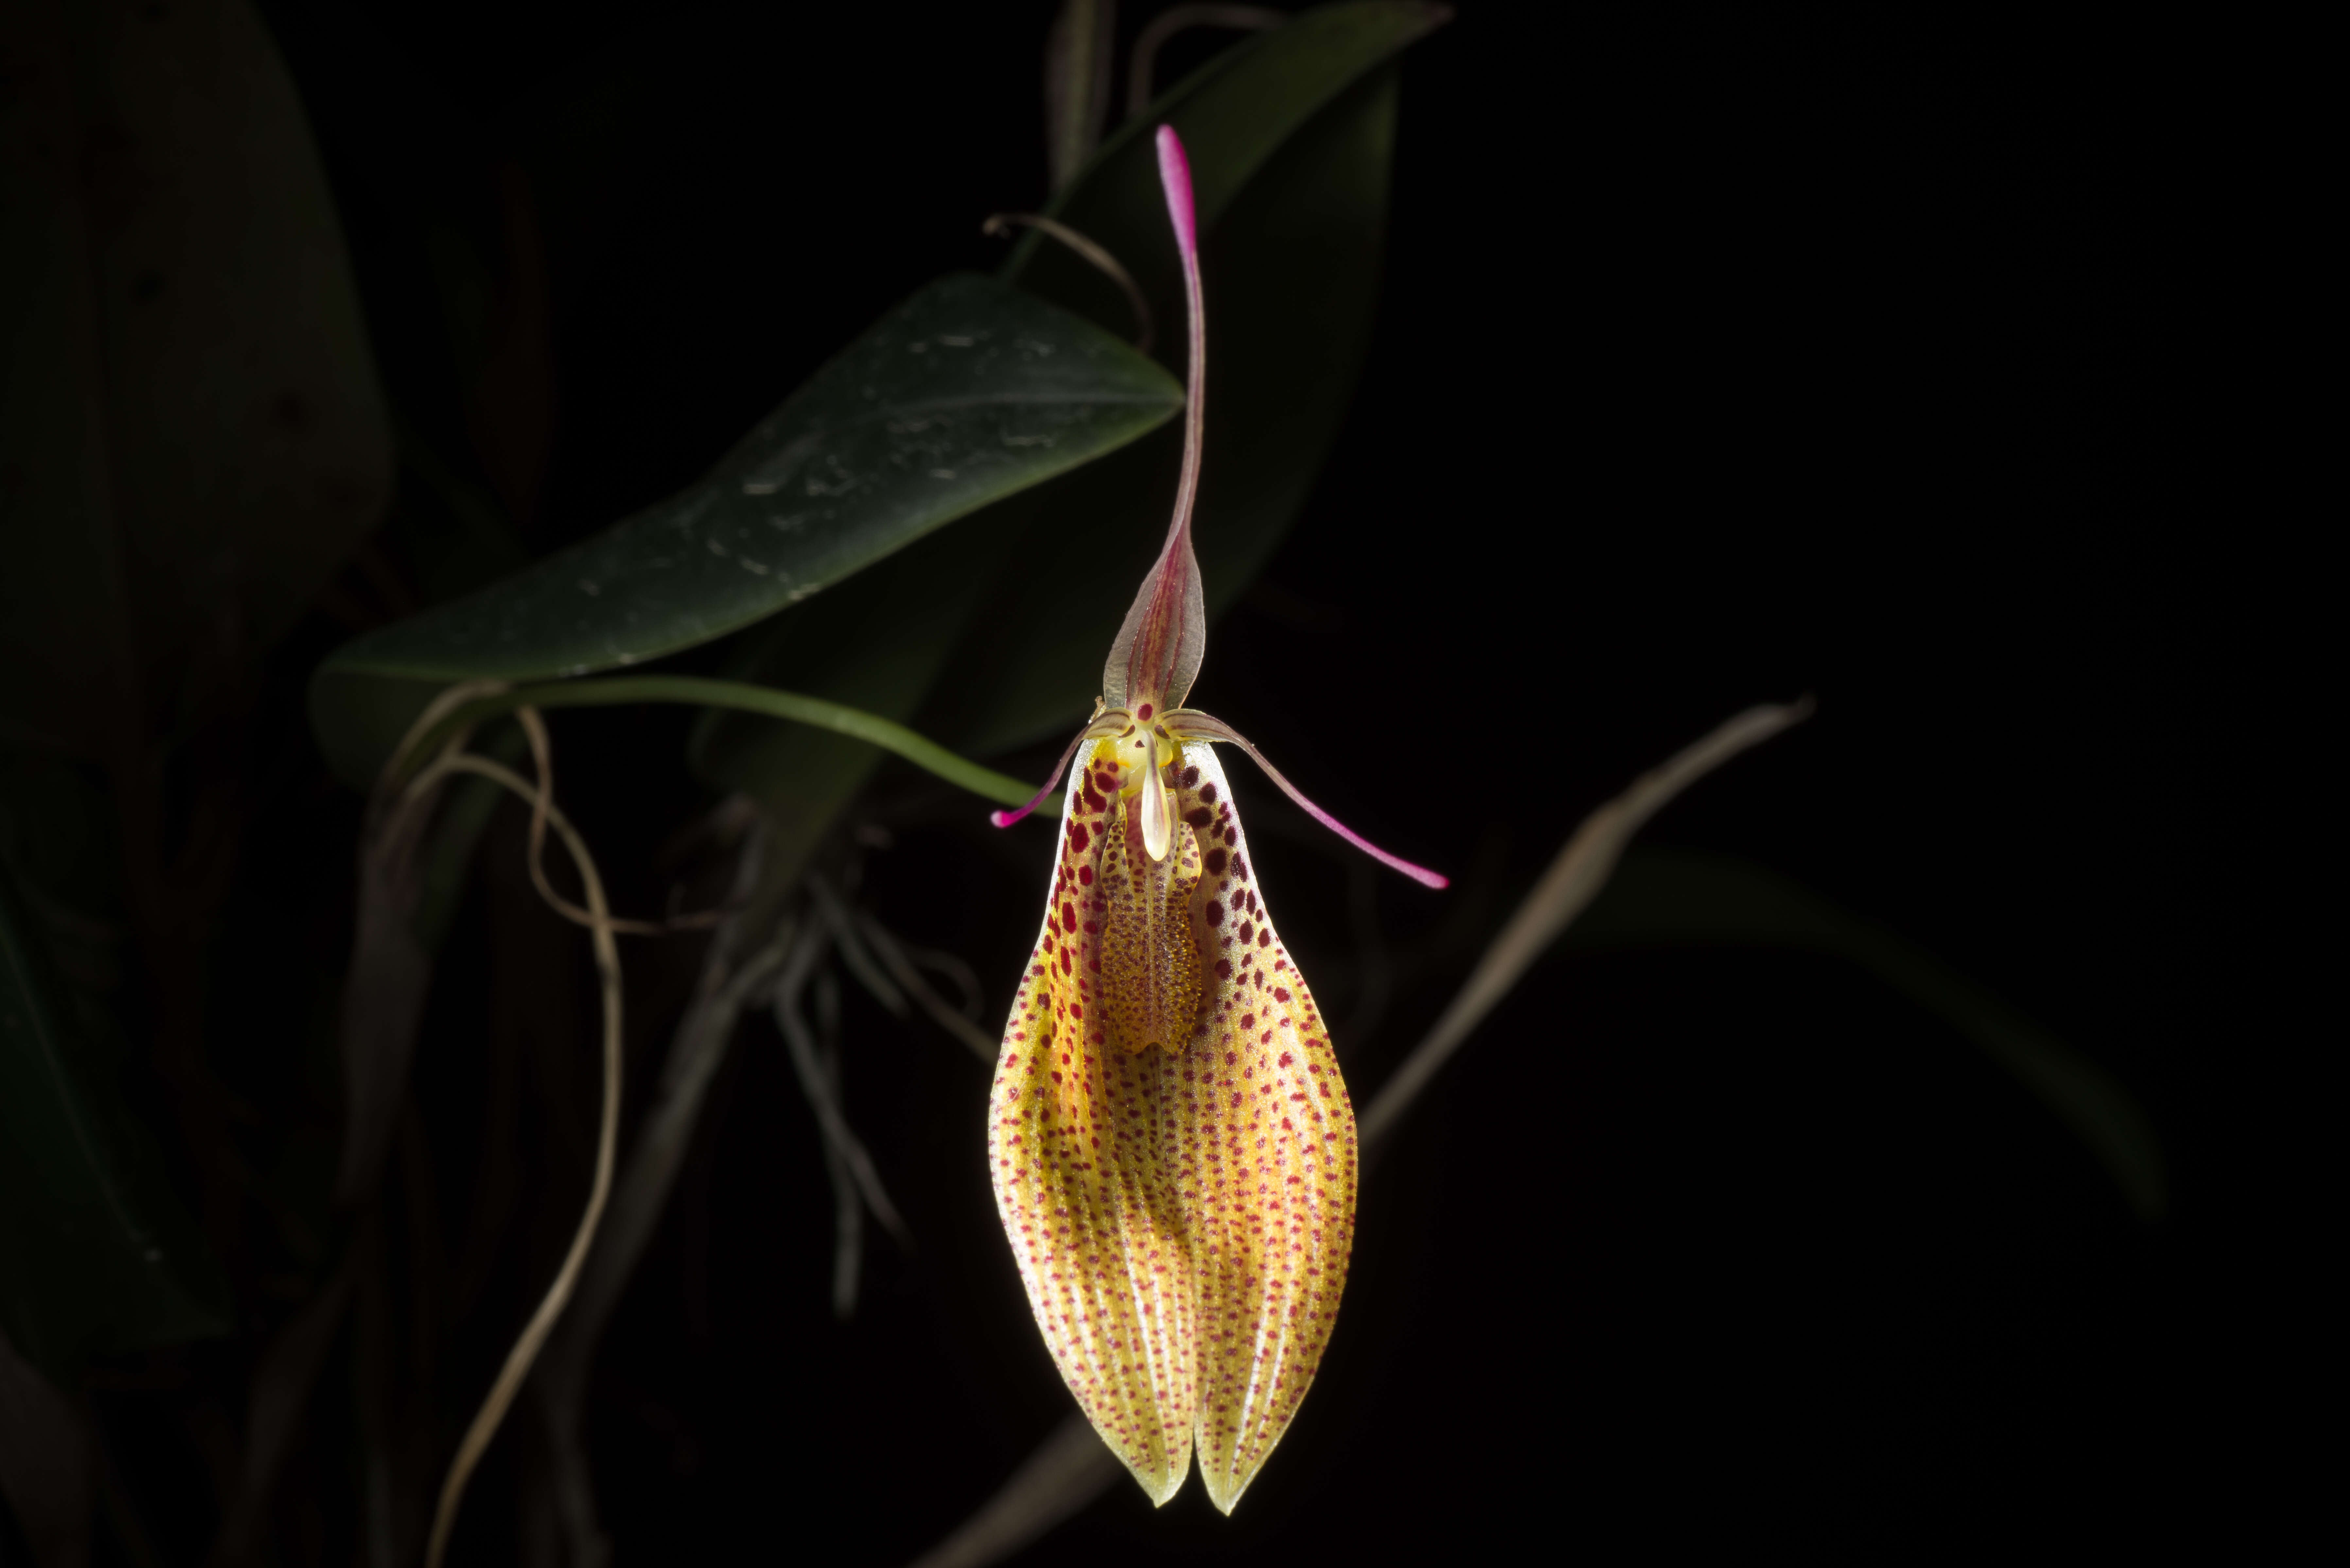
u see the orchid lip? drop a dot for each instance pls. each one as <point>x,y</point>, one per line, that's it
<point>1158,828</point>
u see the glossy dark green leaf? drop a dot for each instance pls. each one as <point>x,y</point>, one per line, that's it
<point>1671,897</point>
<point>96,1255</point>
<point>967,392</point>
<point>1291,138</point>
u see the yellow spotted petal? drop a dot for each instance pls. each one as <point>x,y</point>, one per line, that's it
<point>1171,1144</point>
<point>1268,1156</point>
<point>1077,1148</point>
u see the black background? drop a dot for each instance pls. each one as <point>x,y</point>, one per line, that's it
<point>1721,359</point>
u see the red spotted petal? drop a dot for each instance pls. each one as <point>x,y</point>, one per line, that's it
<point>1172,1142</point>
<point>1267,1139</point>
<point>1079,1153</point>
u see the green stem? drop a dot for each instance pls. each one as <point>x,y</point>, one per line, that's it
<point>742,697</point>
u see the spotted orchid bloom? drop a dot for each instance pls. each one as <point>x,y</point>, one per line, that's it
<point>1172,1145</point>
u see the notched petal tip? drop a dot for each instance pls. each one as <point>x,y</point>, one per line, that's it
<point>1224,1491</point>
<point>1163,1492</point>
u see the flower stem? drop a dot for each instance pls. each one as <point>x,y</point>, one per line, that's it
<point>742,697</point>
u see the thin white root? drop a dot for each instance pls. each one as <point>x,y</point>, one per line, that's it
<point>901,963</point>
<point>800,1042</point>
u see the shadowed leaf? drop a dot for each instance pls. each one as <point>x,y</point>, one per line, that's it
<point>1676,895</point>
<point>274,1405</point>
<point>94,1254</point>
<point>189,420</point>
<point>45,1464</point>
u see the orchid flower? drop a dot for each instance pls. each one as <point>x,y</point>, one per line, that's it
<point>1172,1145</point>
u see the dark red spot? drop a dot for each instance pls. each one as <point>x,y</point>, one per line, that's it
<point>1079,836</point>
<point>1208,794</point>
<point>1223,968</point>
<point>1214,862</point>
<point>1143,712</point>
<point>1199,816</point>
<point>1093,802</point>
<point>1240,867</point>
<point>1263,938</point>
<point>1281,993</point>
<point>1215,913</point>
<point>1232,835</point>
<point>1086,875</point>
<point>1076,1012</point>
<point>1246,932</point>
<point>1070,916</point>
<point>1105,782</point>
<point>1248,1020</point>
<point>1191,778</point>
<point>1065,961</point>
<point>1286,1058</point>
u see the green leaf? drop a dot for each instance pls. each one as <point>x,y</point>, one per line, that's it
<point>96,1256</point>
<point>877,646</point>
<point>966,393</point>
<point>1291,138</point>
<point>189,418</point>
<point>1664,896</point>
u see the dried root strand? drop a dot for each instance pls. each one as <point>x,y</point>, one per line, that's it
<point>602,928</point>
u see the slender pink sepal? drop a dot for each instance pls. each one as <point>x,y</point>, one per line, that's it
<point>1191,724</point>
<point>1006,818</point>
<point>1165,634</point>
<point>1052,781</point>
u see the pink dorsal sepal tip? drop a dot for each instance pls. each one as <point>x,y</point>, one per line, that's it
<point>1175,175</point>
